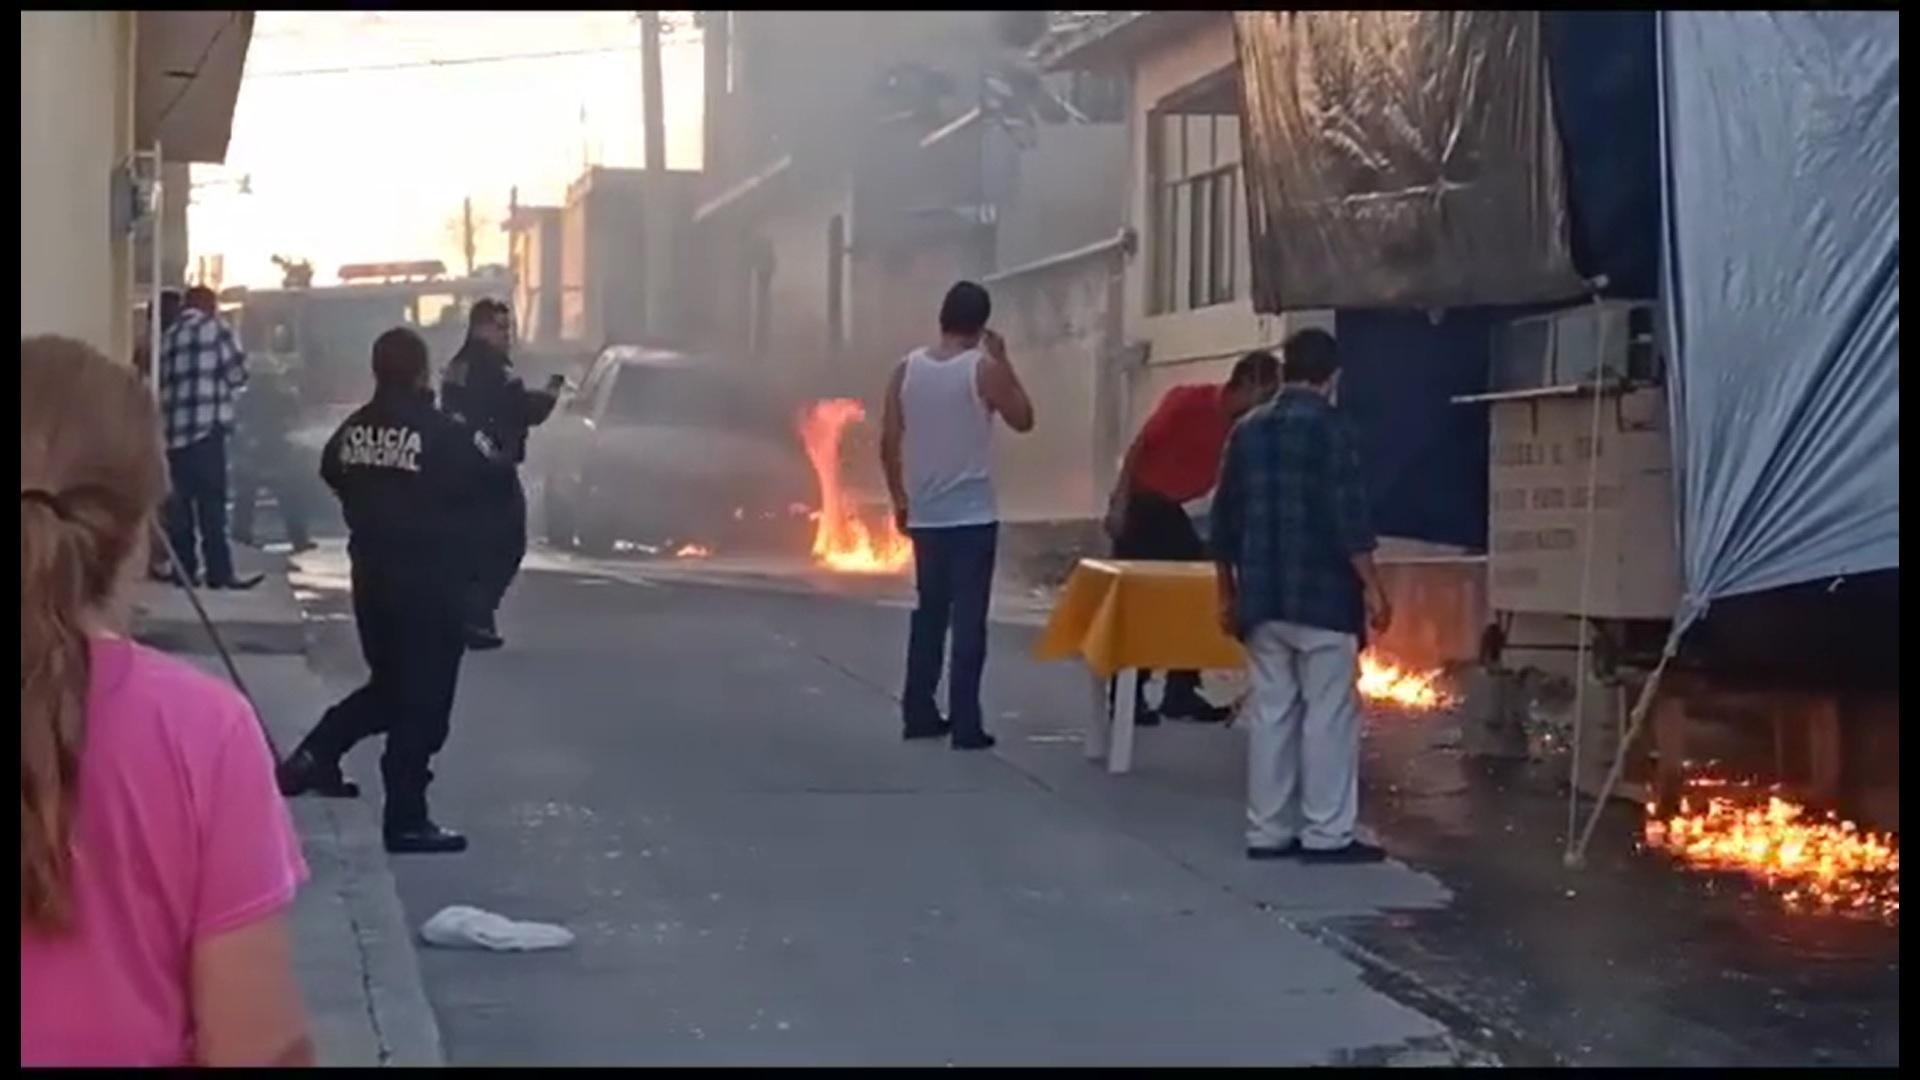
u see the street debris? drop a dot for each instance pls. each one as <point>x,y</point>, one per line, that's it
<point>462,927</point>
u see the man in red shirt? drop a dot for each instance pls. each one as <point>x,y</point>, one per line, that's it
<point>1174,461</point>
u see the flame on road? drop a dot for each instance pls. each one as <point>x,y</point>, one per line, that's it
<point>692,551</point>
<point>1813,861</point>
<point>1383,681</point>
<point>841,540</point>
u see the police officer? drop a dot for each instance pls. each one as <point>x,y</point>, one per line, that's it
<point>481,390</point>
<point>407,478</point>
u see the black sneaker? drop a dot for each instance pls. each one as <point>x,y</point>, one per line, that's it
<point>1196,710</point>
<point>1355,851</point>
<point>1289,850</point>
<point>238,584</point>
<point>480,639</point>
<point>428,839</point>
<point>982,741</point>
<point>303,773</point>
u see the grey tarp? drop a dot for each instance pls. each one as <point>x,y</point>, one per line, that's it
<point>1401,159</point>
<point>1781,161</point>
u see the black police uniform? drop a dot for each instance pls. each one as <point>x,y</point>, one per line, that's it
<point>480,389</point>
<point>408,479</point>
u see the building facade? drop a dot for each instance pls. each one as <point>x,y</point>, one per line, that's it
<point>95,87</point>
<point>1185,300</point>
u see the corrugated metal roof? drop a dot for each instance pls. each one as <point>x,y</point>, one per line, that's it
<point>1112,37</point>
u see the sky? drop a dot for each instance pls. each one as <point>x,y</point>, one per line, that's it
<point>347,163</point>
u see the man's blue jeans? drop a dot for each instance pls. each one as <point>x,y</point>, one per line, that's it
<point>953,569</point>
<point>199,504</point>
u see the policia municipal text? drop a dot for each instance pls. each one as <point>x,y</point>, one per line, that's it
<point>411,482</point>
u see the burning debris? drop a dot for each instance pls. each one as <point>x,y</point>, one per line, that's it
<point>1387,683</point>
<point>692,551</point>
<point>842,540</point>
<point>1814,862</point>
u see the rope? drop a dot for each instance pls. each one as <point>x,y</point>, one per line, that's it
<point>233,670</point>
<point>1586,583</point>
<point>1577,853</point>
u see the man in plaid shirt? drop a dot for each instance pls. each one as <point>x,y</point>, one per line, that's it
<point>1294,544</point>
<point>201,371</point>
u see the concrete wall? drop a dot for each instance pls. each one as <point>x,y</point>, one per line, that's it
<point>1069,190</point>
<point>620,229</point>
<point>536,260</point>
<point>1063,337</point>
<point>796,352</point>
<point>76,124</point>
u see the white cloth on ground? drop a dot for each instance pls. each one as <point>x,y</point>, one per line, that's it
<point>462,927</point>
<point>1303,744</point>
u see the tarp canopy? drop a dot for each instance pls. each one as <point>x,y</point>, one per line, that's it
<point>1402,159</point>
<point>1781,278</point>
<point>1606,96</point>
<point>1425,459</point>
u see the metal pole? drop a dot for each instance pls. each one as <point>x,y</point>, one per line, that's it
<point>156,237</point>
<point>652,104</point>
<point>466,232</point>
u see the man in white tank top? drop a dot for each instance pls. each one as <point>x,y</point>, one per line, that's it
<point>936,447</point>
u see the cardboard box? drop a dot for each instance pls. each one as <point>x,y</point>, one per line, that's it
<point>1541,472</point>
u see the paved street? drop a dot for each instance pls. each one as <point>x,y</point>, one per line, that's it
<point>708,787</point>
<point>705,783</point>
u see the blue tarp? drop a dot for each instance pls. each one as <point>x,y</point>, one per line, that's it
<point>1781,278</point>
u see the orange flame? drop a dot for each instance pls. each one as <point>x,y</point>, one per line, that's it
<point>1814,862</point>
<point>841,540</point>
<point>692,551</point>
<point>1386,682</point>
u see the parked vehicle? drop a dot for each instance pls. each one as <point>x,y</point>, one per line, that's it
<point>660,448</point>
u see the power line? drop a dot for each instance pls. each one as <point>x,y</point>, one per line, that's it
<point>460,61</point>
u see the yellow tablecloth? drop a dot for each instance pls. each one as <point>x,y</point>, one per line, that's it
<point>1154,615</point>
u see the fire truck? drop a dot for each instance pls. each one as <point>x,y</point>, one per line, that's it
<point>326,333</point>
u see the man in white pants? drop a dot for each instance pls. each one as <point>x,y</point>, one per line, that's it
<point>1294,544</point>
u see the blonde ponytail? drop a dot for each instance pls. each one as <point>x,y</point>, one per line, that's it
<point>91,476</point>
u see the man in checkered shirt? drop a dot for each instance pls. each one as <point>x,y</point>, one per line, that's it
<point>1294,544</point>
<point>201,372</point>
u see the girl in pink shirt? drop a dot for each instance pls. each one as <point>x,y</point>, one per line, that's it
<point>157,861</point>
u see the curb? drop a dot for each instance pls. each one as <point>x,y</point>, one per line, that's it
<point>354,949</point>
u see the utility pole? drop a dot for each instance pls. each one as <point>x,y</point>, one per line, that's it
<point>466,231</point>
<point>716,74</point>
<point>651,94</point>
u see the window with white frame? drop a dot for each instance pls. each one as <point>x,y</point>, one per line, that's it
<point>1198,206</point>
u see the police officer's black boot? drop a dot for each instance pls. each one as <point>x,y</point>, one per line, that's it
<point>483,636</point>
<point>425,838</point>
<point>408,830</point>
<point>305,772</point>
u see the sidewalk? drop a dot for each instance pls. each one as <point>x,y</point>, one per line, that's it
<point>354,951</point>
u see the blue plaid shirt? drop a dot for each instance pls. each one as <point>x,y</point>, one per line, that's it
<point>201,371</point>
<point>1291,513</point>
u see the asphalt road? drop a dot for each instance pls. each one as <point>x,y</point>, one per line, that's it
<point>707,785</point>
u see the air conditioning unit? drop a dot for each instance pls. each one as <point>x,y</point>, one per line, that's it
<point>1610,341</point>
